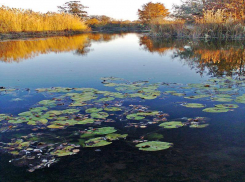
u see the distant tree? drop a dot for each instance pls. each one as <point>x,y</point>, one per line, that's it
<point>151,11</point>
<point>92,21</point>
<point>189,9</point>
<point>102,18</point>
<point>75,8</point>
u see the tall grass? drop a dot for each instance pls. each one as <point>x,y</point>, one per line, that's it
<point>167,28</point>
<point>219,24</point>
<point>19,20</point>
<point>214,24</point>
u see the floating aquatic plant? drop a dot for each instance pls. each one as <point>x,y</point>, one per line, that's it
<point>193,105</point>
<point>154,146</point>
<point>172,124</point>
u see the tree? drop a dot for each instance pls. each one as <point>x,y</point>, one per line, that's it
<point>189,9</point>
<point>151,11</point>
<point>74,8</point>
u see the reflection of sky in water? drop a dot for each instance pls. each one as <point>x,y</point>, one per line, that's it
<point>122,57</point>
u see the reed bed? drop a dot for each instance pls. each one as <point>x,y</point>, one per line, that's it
<point>19,20</point>
<point>214,24</point>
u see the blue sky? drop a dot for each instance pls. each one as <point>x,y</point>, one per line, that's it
<point>118,9</point>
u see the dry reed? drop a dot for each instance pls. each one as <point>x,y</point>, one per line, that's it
<point>19,20</point>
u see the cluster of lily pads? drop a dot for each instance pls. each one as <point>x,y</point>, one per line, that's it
<point>89,111</point>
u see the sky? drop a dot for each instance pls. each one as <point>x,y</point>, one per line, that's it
<point>118,9</point>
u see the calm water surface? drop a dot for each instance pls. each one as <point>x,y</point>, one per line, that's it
<point>213,153</point>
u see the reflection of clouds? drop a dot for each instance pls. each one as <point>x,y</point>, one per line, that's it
<point>18,50</point>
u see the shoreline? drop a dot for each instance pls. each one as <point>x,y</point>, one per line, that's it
<point>43,34</point>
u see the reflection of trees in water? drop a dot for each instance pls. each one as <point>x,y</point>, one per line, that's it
<point>106,37</point>
<point>16,51</point>
<point>160,46</point>
<point>218,58</point>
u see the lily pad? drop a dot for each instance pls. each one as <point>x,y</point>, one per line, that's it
<point>97,142</point>
<point>231,106</point>
<point>93,110</point>
<point>112,109</point>
<point>47,103</point>
<point>222,99</point>
<point>115,136</point>
<point>134,117</point>
<point>106,99</point>
<point>154,146</point>
<point>104,130</point>
<point>86,121</point>
<point>193,105</point>
<point>199,125</point>
<point>100,115</point>
<point>172,124</point>
<point>216,109</point>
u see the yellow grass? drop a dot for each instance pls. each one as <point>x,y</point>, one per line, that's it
<point>19,20</point>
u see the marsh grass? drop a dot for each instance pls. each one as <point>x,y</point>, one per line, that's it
<point>19,20</point>
<point>214,24</point>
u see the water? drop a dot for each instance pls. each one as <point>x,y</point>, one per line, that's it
<point>213,153</point>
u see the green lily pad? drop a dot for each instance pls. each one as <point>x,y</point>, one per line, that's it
<point>70,111</point>
<point>86,121</point>
<point>104,130</point>
<point>47,103</point>
<point>63,152</point>
<point>17,121</point>
<point>154,146</point>
<point>99,115</point>
<point>193,105</point>
<point>216,109</point>
<point>197,96</point>
<point>199,125</point>
<point>231,106</point>
<point>112,109</point>
<point>240,99</point>
<point>97,142</point>
<point>172,124</point>
<point>134,117</point>
<point>222,99</point>
<point>38,109</point>
<point>149,97</point>
<point>54,126</point>
<point>150,113</point>
<point>115,136</point>
<point>93,110</point>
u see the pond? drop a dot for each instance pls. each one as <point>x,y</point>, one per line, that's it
<point>121,107</point>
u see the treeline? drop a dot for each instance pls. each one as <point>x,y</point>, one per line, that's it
<point>223,19</point>
<point>19,20</point>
